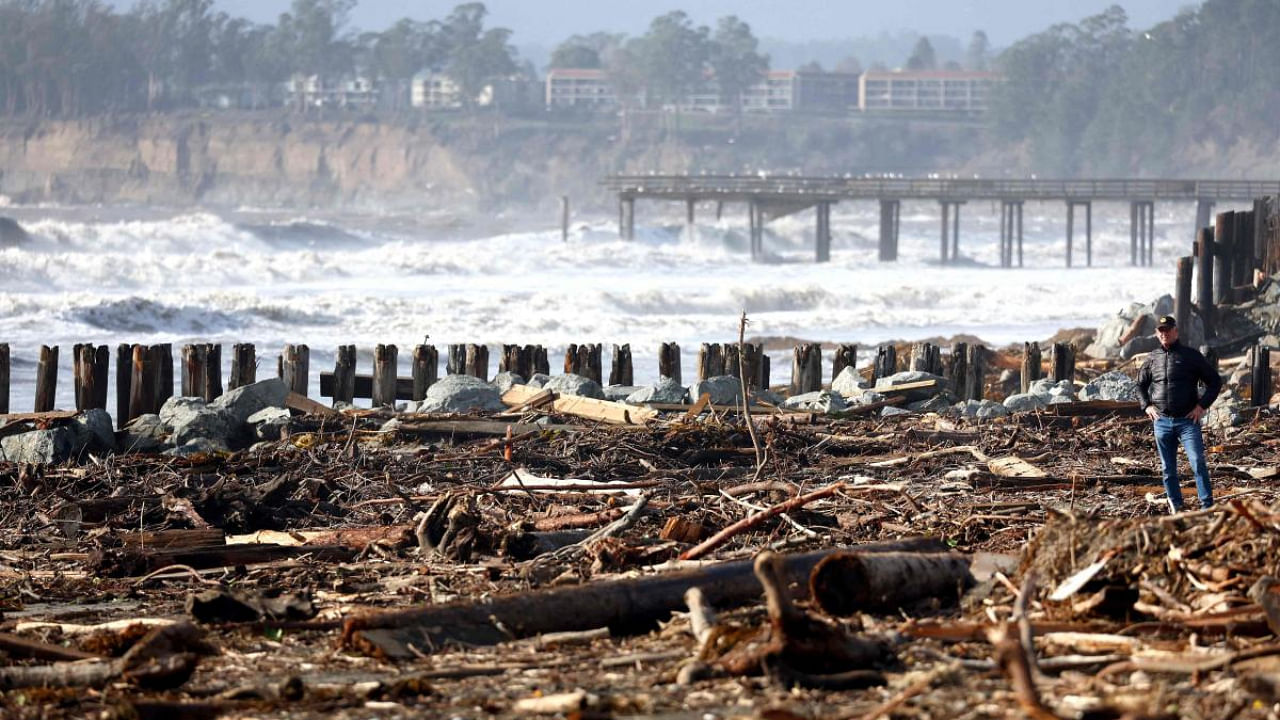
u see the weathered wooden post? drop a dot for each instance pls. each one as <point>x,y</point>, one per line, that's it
<point>541,365</point>
<point>142,383</point>
<point>212,372</point>
<point>669,362</point>
<point>975,371</point>
<point>457,362</point>
<point>806,368</point>
<point>1030,365</point>
<point>46,378</point>
<point>886,363</point>
<point>958,368</point>
<point>344,375</point>
<point>752,354</point>
<point>1223,248</point>
<point>476,361</point>
<point>621,373</point>
<point>845,356</point>
<point>1260,375</point>
<point>426,364</point>
<point>585,360</point>
<point>384,375</point>
<point>244,366</point>
<point>164,374</point>
<point>91,376</point>
<point>4,378</point>
<point>1204,295</point>
<point>926,357</point>
<point>1062,358</point>
<point>124,384</point>
<point>193,365</point>
<point>1182,292</point>
<point>512,360</point>
<point>710,360</point>
<point>297,368</point>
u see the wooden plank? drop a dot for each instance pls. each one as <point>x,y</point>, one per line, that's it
<point>37,416</point>
<point>473,428</point>
<point>590,408</point>
<point>306,405</point>
<point>364,386</point>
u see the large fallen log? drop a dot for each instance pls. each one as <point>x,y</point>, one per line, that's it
<point>621,604</point>
<point>849,582</point>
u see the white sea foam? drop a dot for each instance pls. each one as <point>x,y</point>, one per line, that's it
<point>111,275</point>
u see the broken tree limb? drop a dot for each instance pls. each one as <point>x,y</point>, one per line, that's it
<point>20,647</point>
<point>752,521</point>
<point>404,634</point>
<point>848,582</point>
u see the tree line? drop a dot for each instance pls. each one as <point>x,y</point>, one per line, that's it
<point>1097,97</point>
<point>1090,97</point>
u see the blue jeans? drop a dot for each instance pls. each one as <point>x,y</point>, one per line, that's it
<point>1169,433</point>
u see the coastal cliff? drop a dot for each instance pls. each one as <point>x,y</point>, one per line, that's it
<point>451,163</point>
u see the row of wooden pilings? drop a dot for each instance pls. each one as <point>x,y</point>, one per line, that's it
<point>145,378</point>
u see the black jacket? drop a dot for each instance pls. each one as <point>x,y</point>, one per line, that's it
<point>1168,380</point>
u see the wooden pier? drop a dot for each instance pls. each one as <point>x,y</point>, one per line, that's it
<point>769,197</point>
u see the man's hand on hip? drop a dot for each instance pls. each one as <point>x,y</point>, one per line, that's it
<point>1153,413</point>
<point>1196,413</point>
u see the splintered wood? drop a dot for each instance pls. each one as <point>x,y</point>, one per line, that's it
<point>582,558</point>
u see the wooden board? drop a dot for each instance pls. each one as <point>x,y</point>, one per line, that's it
<point>602,410</point>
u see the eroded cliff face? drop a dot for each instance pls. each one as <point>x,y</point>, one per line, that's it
<point>215,160</point>
<point>482,165</point>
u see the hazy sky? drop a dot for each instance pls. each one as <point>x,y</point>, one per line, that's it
<point>548,22</point>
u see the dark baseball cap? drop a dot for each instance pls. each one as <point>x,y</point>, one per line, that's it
<point>1166,321</point>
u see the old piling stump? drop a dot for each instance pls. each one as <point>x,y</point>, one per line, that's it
<point>426,364</point>
<point>886,362</point>
<point>46,378</point>
<point>669,362</point>
<point>926,357</point>
<point>90,376</point>
<point>142,382</point>
<point>975,371</point>
<point>752,355</point>
<point>621,372</point>
<point>296,366</point>
<point>164,373</point>
<point>710,360</point>
<point>1030,365</point>
<point>585,360</point>
<point>124,382</point>
<point>244,366</point>
<point>344,375</point>
<point>1062,361</point>
<point>806,368</point>
<point>845,356</point>
<point>958,367</point>
<point>384,375</point>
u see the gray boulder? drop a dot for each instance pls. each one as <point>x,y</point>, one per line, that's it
<point>824,401</point>
<point>1227,411</point>
<point>891,411</point>
<point>249,399</point>
<point>270,423</point>
<point>146,434</point>
<point>538,380</point>
<point>724,390</point>
<point>619,393</point>
<point>767,396</point>
<point>1114,385</point>
<point>1138,345</point>
<point>1026,402</point>
<point>94,431</point>
<point>913,376</point>
<point>192,418</point>
<point>849,383</point>
<point>867,398</point>
<point>665,390</point>
<point>570,384</point>
<point>462,393</point>
<point>981,409</point>
<point>1107,343</point>
<point>504,381</point>
<point>52,445</point>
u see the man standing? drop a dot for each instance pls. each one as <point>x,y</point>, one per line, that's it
<point>1169,394</point>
